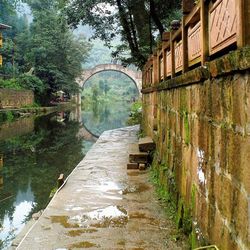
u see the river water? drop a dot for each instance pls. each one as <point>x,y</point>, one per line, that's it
<point>34,151</point>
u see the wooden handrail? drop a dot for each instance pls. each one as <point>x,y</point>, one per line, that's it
<point>204,32</point>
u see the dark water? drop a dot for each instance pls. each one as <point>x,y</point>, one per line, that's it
<point>33,153</point>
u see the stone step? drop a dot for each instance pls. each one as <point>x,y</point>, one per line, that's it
<point>132,165</point>
<point>146,144</point>
<point>142,166</point>
<point>135,156</point>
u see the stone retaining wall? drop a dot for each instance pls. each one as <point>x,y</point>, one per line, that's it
<point>10,98</point>
<point>201,124</point>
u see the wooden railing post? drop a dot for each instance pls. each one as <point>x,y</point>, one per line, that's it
<point>172,49</point>
<point>243,22</point>
<point>159,62</point>
<point>144,73</point>
<point>155,68</point>
<point>165,40</point>
<point>174,27</point>
<point>204,12</point>
<point>187,6</point>
<point>184,46</point>
<point>150,70</point>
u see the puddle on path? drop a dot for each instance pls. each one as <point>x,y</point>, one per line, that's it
<point>141,187</point>
<point>111,216</point>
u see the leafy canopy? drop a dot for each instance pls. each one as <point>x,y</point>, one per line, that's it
<point>138,23</point>
<point>45,48</point>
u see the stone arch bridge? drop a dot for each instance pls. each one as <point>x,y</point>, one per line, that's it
<point>135,76</point>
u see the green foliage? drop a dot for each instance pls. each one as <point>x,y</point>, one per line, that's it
<point>164,180</point>
<point>9,116</point>
<point>53,192</point>
<point>109,86</point>
<point>164,195</point>
<point>34,105</point>
<point>46,49</point>
<point>24,81</point>
<point>135,114</point>
<point>10,84</point>
<point>31,82</point>
<point>138,23</point>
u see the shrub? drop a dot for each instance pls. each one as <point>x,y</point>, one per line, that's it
<point>135,114</point>
<point>10,84</point>
<point>32,83</point>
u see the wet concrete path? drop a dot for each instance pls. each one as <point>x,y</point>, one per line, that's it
<point>105,206</point>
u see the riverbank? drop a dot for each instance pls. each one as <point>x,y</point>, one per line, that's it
<point>105,206</point>
<point>8,114</point>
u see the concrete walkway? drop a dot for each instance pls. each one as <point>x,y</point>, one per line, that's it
<point>104,206</point>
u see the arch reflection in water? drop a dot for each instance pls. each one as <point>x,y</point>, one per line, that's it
<point>98,117</point>
<point>106,101</point>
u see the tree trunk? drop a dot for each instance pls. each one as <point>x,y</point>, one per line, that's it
<point>155,18</point>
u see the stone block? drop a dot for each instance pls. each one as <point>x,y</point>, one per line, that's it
<point>225,190</point>
<point>132,165</point>
<point>201,102</point>
<point>238,100</point>
<point>216,101</point>
<point>219,233</point>
<point>194,131</point>
<point>138,157</point>
<point>245,160</point>
<point>240,215</point>
<point>142,166</point>
<point>202,213</point>
<point>146,144</point>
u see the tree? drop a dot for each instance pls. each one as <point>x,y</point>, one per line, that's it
<point>95,93</point>
<point>46,48</point>
<point>53,52</point>
<point>139,23</point>
<point>101,85</point>
<point>106,87</point>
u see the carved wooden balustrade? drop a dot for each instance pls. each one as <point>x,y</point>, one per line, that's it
<point>208,29</point>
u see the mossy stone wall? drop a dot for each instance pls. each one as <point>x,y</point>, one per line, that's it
<point>10,98</point>
<point>202,133</point>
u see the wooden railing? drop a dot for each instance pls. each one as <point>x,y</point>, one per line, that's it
<point>208,29</point>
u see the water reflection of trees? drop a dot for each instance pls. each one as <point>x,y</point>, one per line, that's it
<point>35,161</point>
<point>101,116</point>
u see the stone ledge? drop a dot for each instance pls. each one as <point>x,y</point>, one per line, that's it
<point>238,60</point>
<point>234,61</point>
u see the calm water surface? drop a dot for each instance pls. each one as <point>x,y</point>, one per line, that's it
<point>34,151</point>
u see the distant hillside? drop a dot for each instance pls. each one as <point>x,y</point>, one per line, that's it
<point>100,54</point>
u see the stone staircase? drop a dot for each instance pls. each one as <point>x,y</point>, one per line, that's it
<point>139,153</point>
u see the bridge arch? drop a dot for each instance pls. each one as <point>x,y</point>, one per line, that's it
<point>135,76</point>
